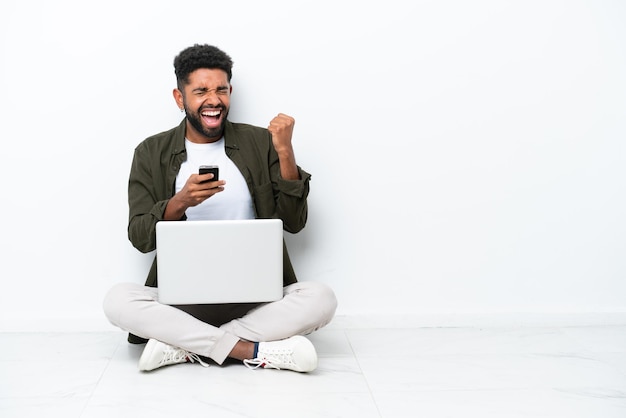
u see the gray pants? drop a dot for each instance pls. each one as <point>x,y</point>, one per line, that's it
<point>305,307</point>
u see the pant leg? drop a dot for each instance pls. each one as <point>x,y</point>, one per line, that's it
<point>305,307</point>
<point>135,308</point>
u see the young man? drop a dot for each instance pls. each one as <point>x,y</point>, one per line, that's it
<point>259,178</point>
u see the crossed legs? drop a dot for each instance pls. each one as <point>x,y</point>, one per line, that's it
<point>305,307</point>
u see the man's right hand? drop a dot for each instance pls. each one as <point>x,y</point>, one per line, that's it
<point>196,190</point>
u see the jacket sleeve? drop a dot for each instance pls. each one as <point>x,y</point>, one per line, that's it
<point>145,205</point>
<point>273,196</point>
<point>290,196</point>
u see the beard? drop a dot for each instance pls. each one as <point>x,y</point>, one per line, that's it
<point>195,121</point>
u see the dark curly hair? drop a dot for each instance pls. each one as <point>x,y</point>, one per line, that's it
<point>200,56</point>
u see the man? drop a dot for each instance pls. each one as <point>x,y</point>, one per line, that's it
<point>259,178</point>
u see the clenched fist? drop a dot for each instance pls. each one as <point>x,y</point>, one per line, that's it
<point>281,128</point>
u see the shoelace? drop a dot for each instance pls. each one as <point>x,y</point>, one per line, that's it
<point>255,363</point>
<point>179,355</point>
<point>191,357</point>
<point>269,363</point>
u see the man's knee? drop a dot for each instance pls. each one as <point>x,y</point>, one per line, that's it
<point>322,302</point>
<point>327,300</point>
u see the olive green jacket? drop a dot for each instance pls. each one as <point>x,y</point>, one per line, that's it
<point>156,163</point>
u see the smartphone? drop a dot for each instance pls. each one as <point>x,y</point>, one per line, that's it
<point>204,169</point>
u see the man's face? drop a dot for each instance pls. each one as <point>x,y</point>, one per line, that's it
<point>206,100</point>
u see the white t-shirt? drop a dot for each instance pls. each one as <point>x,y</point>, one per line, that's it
<point>232,203</point>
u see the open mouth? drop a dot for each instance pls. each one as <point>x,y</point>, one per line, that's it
<point>211,117</point>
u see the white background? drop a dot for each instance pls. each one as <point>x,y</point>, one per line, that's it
<point>467,156</point>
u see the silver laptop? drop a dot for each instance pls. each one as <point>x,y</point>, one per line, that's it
<point>234,261</point>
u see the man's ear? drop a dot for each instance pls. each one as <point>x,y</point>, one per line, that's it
<point>178,97</point>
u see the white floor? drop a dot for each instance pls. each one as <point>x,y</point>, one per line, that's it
<point>380,372</point>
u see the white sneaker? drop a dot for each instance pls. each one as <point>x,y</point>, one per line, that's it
<point>295,353</point>
<point>157,354</point>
